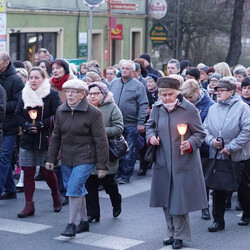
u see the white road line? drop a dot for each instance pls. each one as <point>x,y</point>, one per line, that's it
<point>21,227</point>
<point>101,240</point>
<point>184,248</point>
<point>126,190</point>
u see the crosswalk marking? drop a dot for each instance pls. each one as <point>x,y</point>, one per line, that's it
<point>100,240</point>
<point>21,227</point>
<point>126,190</point>
<point>184,248</point>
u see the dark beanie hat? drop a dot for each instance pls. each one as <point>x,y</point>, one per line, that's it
<point>62,63</point>
<point>194,72</point>
<point>18,64</point>
<point>146,57</point>
<point>245,82</point>
<point>184,64</point>
<point>155,77</point>
<point>168,82</point>
<point>103,88</point>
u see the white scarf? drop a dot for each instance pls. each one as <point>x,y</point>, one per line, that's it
<point>172,105</point>
<point>33,98</point>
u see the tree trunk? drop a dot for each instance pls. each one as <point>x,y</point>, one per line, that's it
<point>234,51</point>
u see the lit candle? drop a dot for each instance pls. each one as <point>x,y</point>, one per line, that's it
<point>33,115</point>
<point>182,129</point>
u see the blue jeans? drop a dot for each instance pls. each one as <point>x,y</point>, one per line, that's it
<point>74,179</point>
<point>6,176</point>
<point>127,163</point>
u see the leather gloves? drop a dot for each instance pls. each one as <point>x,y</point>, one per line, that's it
<point>31,128</point>
<point>102,173</point>
<point>49,166</point>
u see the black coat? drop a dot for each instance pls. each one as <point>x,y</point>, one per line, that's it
<point>44,114</point>
<point>13,86</point>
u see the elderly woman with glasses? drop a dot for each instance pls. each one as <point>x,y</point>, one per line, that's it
<point>229,119</point>
<point>80,133</point>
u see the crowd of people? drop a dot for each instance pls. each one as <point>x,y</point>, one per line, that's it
<point>60,119</point>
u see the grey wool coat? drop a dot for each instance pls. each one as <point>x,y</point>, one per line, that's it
<point>177,180</point>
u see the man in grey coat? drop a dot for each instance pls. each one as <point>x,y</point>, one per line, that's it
<point>131,97</point>
<point>177,179</point>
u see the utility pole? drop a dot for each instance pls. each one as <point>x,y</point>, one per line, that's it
<point>177,29</point>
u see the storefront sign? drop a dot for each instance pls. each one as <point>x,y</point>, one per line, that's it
<point>93,3</point>
<point>158,33</point>
<point>3,31</point>
<point>158,8</point>
<point>116,34</point>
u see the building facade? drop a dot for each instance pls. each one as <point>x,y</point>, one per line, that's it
<point>63,27</point>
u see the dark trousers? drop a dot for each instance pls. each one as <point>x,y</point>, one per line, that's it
<point>92,198</point>
<point>143,164</point>
<point>219,197</point>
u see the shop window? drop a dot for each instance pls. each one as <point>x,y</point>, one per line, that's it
<point>23,46</point>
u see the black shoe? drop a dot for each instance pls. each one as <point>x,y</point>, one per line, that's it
<point>39,177</point>
<point>19,189</point>
<point>228,205</point>
<point>116,212</point>
<point>70,230</point>
<point>8,195</point>
<point>244,221</point>
<point>238,206</point>
<point>216,227</point>
<point>177,244</point>
<point>82,227</point>
<point>100,187</point>
<point>142,172</point>
<point>91,218</point>
<point>168,241</point>
<point>205,214</point>
<point>65,201</point>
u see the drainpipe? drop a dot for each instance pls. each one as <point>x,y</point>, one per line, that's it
<point>146,27</point>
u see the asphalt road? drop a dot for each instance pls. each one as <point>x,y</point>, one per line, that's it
<point>138,226</point>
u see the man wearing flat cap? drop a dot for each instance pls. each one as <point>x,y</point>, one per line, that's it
<point>177,173</point>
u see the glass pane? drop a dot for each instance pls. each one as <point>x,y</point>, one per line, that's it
<point>49,42</point>
<point>13,47</point>
<point>31,45</point>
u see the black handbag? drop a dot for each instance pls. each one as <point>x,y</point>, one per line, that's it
<point>118,147</point>
<point>224,175</point>
<point>150,155</point>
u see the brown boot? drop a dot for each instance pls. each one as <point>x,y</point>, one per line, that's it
<point>28,210</point>
<point>57,203</point>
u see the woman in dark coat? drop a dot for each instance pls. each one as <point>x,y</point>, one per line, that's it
<point>100,97</point>
<point>80,133</point>
<point>39,98</point>
<point>177,180</point>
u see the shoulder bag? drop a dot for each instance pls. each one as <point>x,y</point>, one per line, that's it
<point>118,147</point>
<point>223,175</point>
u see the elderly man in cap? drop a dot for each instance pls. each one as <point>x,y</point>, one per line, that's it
<point>80,133</point>
<point>176,176</point>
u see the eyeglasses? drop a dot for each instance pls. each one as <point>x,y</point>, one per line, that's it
<point>214,80</point>
<point>95,93</point>
<point>73,92</point>
<point>219,91</point>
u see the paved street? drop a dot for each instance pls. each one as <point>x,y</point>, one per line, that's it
<point>138,226</point>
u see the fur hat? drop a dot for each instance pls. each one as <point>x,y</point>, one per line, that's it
<point>226,83</point>
<point>103,88</point>
<point>210,70</point>
<point>168,82</point>
<point>146,57</point>
<point>75,84</point>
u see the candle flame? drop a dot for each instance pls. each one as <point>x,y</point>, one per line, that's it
<point>33,114</point>
<point>182,128</point>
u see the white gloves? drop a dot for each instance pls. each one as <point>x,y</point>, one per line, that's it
<point>49,166</point>
<point>102,173</point>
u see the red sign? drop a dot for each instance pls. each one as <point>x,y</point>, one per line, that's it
<point>116,34</point>
<point>123,6</point>
<point>112,22</point>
